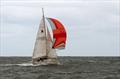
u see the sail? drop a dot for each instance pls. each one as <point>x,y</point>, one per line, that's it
<point>59,33</point>
<point>51,52</point>
<point>40,44</point>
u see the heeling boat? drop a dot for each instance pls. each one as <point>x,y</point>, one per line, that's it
<point>44,52</point>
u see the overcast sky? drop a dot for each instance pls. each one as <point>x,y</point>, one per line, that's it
<point>93,27</point>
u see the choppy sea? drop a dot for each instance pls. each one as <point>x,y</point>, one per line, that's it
<point>70,68</point>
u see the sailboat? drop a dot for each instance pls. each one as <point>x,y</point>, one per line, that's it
<point>44,52</point>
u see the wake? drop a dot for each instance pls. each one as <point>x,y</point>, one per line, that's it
<point>23,64</point>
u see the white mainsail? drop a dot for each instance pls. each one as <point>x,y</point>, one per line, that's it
<point>40,44</point>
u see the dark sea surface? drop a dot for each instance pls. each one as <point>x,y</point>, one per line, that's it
<point>70,68</point>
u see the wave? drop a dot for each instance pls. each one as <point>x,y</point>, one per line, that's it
<point>23,64</point>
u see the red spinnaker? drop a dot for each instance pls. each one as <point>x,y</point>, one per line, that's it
<point>59,33</point>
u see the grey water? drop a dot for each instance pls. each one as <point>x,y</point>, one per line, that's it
<point>70,68</point>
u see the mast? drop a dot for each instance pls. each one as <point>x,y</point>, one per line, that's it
<point>43,16</point>
<point>44,20</point>
<point>45,30</point>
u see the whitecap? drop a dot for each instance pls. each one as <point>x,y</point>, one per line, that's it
<point>23,64</point>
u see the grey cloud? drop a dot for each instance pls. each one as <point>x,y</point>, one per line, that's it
<point>91,27</point>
